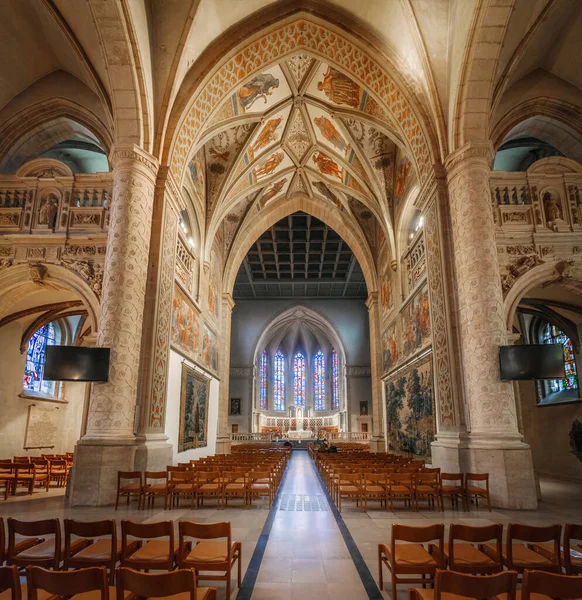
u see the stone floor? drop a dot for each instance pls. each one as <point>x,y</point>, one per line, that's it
<point>303,548</point>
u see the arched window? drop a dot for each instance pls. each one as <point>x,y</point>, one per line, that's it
<point>279,381</point>
<point>263,373</point>
<point>319,381</point>
<point>552,335</point>
<point>335,389</point>
<point>33,381</point>
<point>299,379</point>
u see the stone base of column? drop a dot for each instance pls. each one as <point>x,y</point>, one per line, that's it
<point>94,476</point>
<point>377,443</point>
<point>223,445</point>
<point>445,451</point>
<point>153,453</point>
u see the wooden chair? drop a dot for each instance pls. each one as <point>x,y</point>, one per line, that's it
<point>453,490</point>
<point>105,551</point>
<point>477,491</point>
<point>207,487</point>
<point>155,484</point>
<point>155,554</point>
<point>519,557</point>
<point>412,558</point>
<point>401,488</point>
<point>450,585</point>
<point>261,484</point>
<point>22,459</point>
<point>573,562</point>
<point>235,486</point>
<point>59,472</point>
<point>464,557</point>
<point>181,484</point>
<point>84,584</point>
<point>214,551</point>
<point>374,489</point>
<point>10,583</point>
<point>129,489</point>
<point>8,474</point>
<point>427,487</point>
<point>349,487</point>
<point>180,585</point>
<point>552,585</point>
<point>39,552</point>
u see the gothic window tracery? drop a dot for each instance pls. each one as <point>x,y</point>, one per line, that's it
<point>263,374</point>
<point>33,381</point>
<point>299,379</point>
<point>335,390</point>
<point>550,334</point>
<point>319,381</point>
<point>279,381</point>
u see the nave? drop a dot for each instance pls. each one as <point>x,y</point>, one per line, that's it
<point>302,547</point>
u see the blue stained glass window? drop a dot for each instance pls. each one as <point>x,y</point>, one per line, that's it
<point>279,381</point>
<point>319,380</point>
<point>335,389</point>
<point>552,335</point>
<point>299,379</point>
<point>263,367</point>
<point>35,358</point>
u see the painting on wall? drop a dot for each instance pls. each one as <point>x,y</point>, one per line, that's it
<point>235,406</point>
<point>185,324</point>
<point>415,323</point>
<point>410,412</point>
<point>209,350</point>
<point>194,403</point>
<point>390,348</point>
<point>197,170</point>
<point>403,175</point>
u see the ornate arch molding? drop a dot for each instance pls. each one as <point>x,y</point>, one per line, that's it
<point>287,317</point>
<point>17,276</point>
<point>325,41</point>
<point>48,110</point>
<point>531,279</point>
<point>316,208</point>
<point>542,106</point>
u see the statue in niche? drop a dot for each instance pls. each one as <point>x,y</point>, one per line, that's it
<point>47,214</point>
<point>552,207</point>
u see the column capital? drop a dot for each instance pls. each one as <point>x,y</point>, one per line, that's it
<point>470,154</point>
<point>372,300</point>
<point>228,301</point>
<point>132,156</point>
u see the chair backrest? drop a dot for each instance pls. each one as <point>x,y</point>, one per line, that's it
<point>34,529</point>
<point>426,478</point>
<point>67,583</point>
<point>419,535</point>
<point>477,477</point>
<point>155,585</point>
<point>401,478</point>
<point>155,475</point>
<point>475,586</point>
<point>452,477</point>
<point>90,529</point>
<point>572,532</point>
<point>147,530</point>
<point>533,534</point>
<point>565,587</point>
<point>9,580</point>
<point>128,475</point>
<point>22,459</point>
<point>430,470</point>
<point>475,534</point>
<point>204,531</point>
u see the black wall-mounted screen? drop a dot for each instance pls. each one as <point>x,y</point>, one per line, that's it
<point>533,361</point>
<point>76,363</point>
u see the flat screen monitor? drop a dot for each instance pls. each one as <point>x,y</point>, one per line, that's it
<point>76,363</point>
<point>533,361</point>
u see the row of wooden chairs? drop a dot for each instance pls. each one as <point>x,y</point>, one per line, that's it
<point>218,481</point>
<point>207,548</point>
<point>536,584</point>
<point>91,584</point>
<point>478,551</point>
<point>34,472</point>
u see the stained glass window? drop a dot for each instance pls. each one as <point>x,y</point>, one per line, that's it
<point>299,379</point>
<point>335,390</point>
<point>552,335</point>
<point>35,357</point>
<point>319,381</point>
<point>263,380</point>
<point>279,381</point>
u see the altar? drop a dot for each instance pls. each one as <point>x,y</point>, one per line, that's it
<point>300,435</point>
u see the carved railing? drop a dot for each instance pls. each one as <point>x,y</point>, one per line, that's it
<point>415,261</point>
<point>291,423</point>
<point>241,438</point>
<point>351,436</point>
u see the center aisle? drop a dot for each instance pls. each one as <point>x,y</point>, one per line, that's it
<point>305,555</point>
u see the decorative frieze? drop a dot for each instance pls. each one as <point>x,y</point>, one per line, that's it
<point>358,371</point>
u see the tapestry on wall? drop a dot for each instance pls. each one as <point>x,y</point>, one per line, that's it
<point>209,350</point>
<point>194,401</point>
<point>415,318</point>
<point>410,411</point>
<point>390,348</point>
<point>184,324</point>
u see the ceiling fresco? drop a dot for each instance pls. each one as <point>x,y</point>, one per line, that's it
<point>298,127</point>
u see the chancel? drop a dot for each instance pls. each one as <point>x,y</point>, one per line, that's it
<point>319,261</point>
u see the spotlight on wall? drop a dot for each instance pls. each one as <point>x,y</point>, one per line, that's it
<point>184,222</point>
<point>419,223</point>
<point>191,242</point>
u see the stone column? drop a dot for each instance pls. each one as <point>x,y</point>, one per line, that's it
<point>495,444</point>
<point>223,438</point>
<point>109,443</point>
<point>377,442</point>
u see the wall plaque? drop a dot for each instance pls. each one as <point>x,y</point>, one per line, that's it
<point>42,427</point>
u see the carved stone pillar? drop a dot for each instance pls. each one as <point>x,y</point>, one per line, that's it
<point>223,438</point>
<point>377,442</point>
<point>109,443</point>
<point>495,444</point>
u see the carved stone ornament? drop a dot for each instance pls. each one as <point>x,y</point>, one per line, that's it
<point>37,273</point>
<point>88,270</point>
<point>47,168</point>
<point>518,268</point>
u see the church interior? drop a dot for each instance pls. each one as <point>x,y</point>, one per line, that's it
<point>307,273</point>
